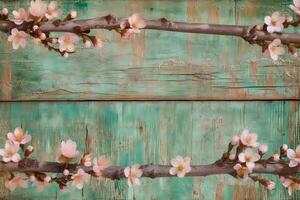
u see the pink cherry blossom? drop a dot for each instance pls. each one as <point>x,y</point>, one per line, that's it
<point>274,49</point>
<point>37,8</point>
<point>249,139</point>
<point>289,184</point>
<point>296,6</point>
<point>181,166</point>
<point>242,171</point>
<point>100,164</point>
<point>249,158</point>
<point>133,174</point>
<point>19,137</point>
<point>18,38</point>
<point>16,182</point>
<point>294,156</point>
<point>20,16</point>
<point>68,151</point>
<point>52,11</point>
<point>67,42</point>
<point>80,178</point>
<point>10,152</point>
<point>275,22</point>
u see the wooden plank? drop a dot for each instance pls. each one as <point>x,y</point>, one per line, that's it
<point>155,65</point>
<point>153,132</point>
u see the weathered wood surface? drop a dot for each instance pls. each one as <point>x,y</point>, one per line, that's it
<point>155,65</point>
<point>145,132</point>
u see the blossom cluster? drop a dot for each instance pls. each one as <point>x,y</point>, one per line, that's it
<point>243,155</point>
<point>40,12</point>
<point>276,23</point>
<point>249,152</point>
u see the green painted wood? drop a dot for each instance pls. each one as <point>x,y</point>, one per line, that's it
<point>156,64</point>
<point>145,132</point>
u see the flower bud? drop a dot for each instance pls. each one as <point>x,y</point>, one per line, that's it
<point>235,140</point>
<point>87,44</point>
<point>276,157</point>
<point>35,28</point>
<point>270,185</point>
<point>4,11</point>
<point>289,19</point>
<point>47,179</point>
<point>66,54</point>
<point>284,147</point>
<point>43,36</point>
<point>66,172</point>
<point>232,156</point>
<point>263,148</point>
<point>73,14</point>
<point>28,151</point>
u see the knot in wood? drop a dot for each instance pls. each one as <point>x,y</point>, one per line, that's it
<point>250,35</point>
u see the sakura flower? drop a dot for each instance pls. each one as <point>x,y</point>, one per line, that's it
<point>80,178</point>
<point>133,174</point>
<point>10,152</point>
<point>67,42</point>
<point>68,151</point>
<point>16,182</point>
<point>19,137</point>
<point>136,23</point>
<point>20,16</point>
<point>249,139</point>
<point>275,22</point>
<point>100,164</point>
<point>86,160</point>
<point>249,158</point>
<point>275,49</point>
<point>289,184</point>
<point>18,38</point>
<point>242,171</point>
<point>181,166</point>
<point>270,185</point>
<point>37,8</point>
<point>296,6</point>
<point>235,140</point>
<point>40,185</point>
<point>52,11</point>
<point>294,156</point>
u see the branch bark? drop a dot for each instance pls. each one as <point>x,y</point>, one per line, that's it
<point>111,23</point>
<point>151,171</point>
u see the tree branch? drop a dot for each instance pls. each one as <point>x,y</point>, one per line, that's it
<point>109,22</point>
<point>151,171</point>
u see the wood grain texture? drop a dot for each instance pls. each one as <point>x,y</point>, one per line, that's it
<point>145,132</point>
<point>156,65</point>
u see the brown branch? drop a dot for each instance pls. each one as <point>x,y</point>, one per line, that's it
<point>111,23</point>
<point>151,171</point>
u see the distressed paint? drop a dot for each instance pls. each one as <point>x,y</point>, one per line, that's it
<point>145,132</point>
<point>155,65</point>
